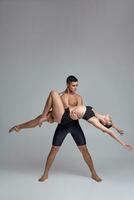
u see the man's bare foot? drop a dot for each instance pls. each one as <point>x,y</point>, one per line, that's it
<point>96,178</point>
<point>43,178</point>
<point>15,128</point>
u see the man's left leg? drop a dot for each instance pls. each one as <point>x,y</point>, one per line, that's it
<point>87,157</point>
<point>80,141</point>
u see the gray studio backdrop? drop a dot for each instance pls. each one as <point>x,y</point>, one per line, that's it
<point>41,43</point>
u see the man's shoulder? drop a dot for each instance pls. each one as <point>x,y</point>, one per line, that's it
<point>62,93</point>
<point>78,95</point>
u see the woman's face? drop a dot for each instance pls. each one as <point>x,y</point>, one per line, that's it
<point>107,120</point>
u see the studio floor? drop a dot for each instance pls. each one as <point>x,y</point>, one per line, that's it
<point>66,182</point>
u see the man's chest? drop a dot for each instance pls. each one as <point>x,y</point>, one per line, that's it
<point>69,100</point>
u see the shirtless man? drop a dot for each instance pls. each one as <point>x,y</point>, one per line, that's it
<point>70,99</point>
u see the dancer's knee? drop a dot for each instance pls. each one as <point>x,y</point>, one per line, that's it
<point>55,149</point>
<point>54,92</point>
<point>83,149</point>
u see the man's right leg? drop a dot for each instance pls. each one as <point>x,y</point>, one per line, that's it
<point>51,156</point>
<point>59,136</point>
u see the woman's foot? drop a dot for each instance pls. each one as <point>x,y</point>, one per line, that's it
<point>43,178</point>
<point>15,128</point>
<point>96,178</point>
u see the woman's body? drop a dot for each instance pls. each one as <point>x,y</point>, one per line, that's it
<point>104,119</point>
<point>54,112</point>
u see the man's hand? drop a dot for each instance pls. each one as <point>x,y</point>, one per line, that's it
<point>42,119</point>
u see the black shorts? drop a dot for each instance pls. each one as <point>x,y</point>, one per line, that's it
<point>73,127</point>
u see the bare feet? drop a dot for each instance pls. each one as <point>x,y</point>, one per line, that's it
<point>43,178</point>
<point>15,128</point>
<point>96,178</point>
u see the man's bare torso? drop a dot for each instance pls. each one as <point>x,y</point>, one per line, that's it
<point>70,100</point>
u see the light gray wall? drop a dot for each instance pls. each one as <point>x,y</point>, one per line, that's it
<point>41,43</point>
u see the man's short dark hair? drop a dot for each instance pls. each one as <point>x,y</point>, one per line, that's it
<point>71,78</point>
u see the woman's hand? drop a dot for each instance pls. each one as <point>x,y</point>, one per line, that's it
<point>120,131</point>
<point>128,146</point>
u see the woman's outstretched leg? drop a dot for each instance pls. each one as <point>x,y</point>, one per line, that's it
<point>50,159</point>
<point>35,122</point>
<point>30,124</point>
<point>53,102</point>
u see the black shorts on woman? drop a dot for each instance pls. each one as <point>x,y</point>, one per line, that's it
<point>68,125</point>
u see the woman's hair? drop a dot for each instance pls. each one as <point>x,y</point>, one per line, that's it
<point>71,78</point>
<point>107,125</point>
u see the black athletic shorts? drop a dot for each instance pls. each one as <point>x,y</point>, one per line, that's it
<point>72,127</point>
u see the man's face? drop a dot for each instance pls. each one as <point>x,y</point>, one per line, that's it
<point>72,86</point>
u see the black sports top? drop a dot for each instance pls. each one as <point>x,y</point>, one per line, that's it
<point>67,119</point>
<point>89,113</point>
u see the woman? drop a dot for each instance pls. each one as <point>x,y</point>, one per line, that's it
<point>54,112</point>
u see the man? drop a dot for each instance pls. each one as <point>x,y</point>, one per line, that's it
<point>70,99</point>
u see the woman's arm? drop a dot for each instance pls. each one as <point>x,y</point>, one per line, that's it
<point>95,122</point>
<point>98,115</point>
<point>117,128</point>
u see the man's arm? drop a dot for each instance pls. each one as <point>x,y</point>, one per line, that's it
<point>80,100</point>
<point>61,93</point>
